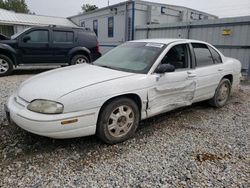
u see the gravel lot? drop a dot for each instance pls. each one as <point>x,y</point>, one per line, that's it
<point>198,146</point>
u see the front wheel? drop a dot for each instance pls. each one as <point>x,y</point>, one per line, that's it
<point>79,59</point>
<point>6,65</point>
<point>222,93</point>
<point>118,121</point>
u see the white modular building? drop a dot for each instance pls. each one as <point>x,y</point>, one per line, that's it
<point>116,24</point>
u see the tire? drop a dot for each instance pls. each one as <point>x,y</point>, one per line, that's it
<point>222,94</point>
<point>6,65</point>
<point>118,121</point>
<point>79,59</point>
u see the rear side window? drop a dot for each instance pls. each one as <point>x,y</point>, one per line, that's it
<point>202,55</point>
<point>216,55</point>
<point>63,36</point>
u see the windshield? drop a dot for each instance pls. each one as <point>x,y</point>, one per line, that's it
<point>135,57</point>
<point>19,33</point>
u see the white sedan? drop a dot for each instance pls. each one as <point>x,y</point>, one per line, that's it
<point>132,82</point>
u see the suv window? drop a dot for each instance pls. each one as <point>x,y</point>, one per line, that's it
<point>38,36</point>
<point>177,56</point>
<point>202,55</point>
<point>216,55</point>
<point>63,36</point>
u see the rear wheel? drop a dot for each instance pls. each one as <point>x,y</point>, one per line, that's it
<point>222,93</point>
<point>6,65</point>
<point>118,121</point>
<point>79,59</point>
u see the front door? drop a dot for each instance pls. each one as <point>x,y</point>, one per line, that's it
<point>35,47</point>
<point>174,89</point>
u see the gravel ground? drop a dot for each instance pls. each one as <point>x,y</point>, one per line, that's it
<point>198,146</point>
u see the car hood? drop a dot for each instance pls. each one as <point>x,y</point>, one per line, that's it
<point>54,84</point>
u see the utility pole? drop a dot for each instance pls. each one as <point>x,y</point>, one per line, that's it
<point>108,3</point>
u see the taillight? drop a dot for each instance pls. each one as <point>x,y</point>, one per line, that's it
<point>98,47</point>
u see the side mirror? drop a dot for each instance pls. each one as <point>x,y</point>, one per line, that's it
<point>162,68</point>
<point>26,38</point>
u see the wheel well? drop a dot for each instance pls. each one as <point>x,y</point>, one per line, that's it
<point>80,53</point>
<point>131,96</point>
<point>229,77</point>
<point>9,55</point>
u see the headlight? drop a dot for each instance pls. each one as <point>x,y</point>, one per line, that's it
<point>45,107</point>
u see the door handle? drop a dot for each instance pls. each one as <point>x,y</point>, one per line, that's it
<point>220,69</point>
<point>191,74</point>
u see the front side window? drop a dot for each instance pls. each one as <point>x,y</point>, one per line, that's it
<point>177,56</point>
<point>216,55</point>
<point>95,27</point>
<point>63,36</point>
<point>202,55</point>
<point>38,36</point>
<point>111,27</point>
<point>135,57</point>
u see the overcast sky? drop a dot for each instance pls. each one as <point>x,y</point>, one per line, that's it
<point>65,8</point>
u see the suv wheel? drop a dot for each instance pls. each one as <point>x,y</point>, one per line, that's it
<point>6,65</point>
<point>79,59</point>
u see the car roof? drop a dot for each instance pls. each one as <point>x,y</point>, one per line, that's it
<point>167,40</point>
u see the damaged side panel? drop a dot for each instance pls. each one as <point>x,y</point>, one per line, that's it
<point>169,96</point>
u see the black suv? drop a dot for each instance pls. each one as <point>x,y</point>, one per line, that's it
<point>50,45</point>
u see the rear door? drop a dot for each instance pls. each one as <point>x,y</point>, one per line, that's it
<point>208,70</point>
<point>173,89</point>
<point>62,42</point>
<point>37,48</point>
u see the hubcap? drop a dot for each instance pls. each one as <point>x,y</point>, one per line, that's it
<point>223,93</point>
<point>4,66</point>
<point>80,61</point>
<point>121,121</point>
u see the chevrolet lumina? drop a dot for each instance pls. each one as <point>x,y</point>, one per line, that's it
<point>132,82</point>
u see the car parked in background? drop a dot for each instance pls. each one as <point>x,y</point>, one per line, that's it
<point>132,82</point>
<point>50,45</point>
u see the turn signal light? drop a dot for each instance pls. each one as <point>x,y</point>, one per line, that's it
<point>69,121</point>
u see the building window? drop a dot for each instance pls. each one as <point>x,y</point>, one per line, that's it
<point>111,27</point>
<point>6,30</point>
<point>129,28</point>
<point>82,24</point>
<point>95,27</point>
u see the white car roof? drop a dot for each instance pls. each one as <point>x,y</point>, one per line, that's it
<point>167,41</point>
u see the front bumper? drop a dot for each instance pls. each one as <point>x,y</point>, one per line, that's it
<point>51,125</point>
